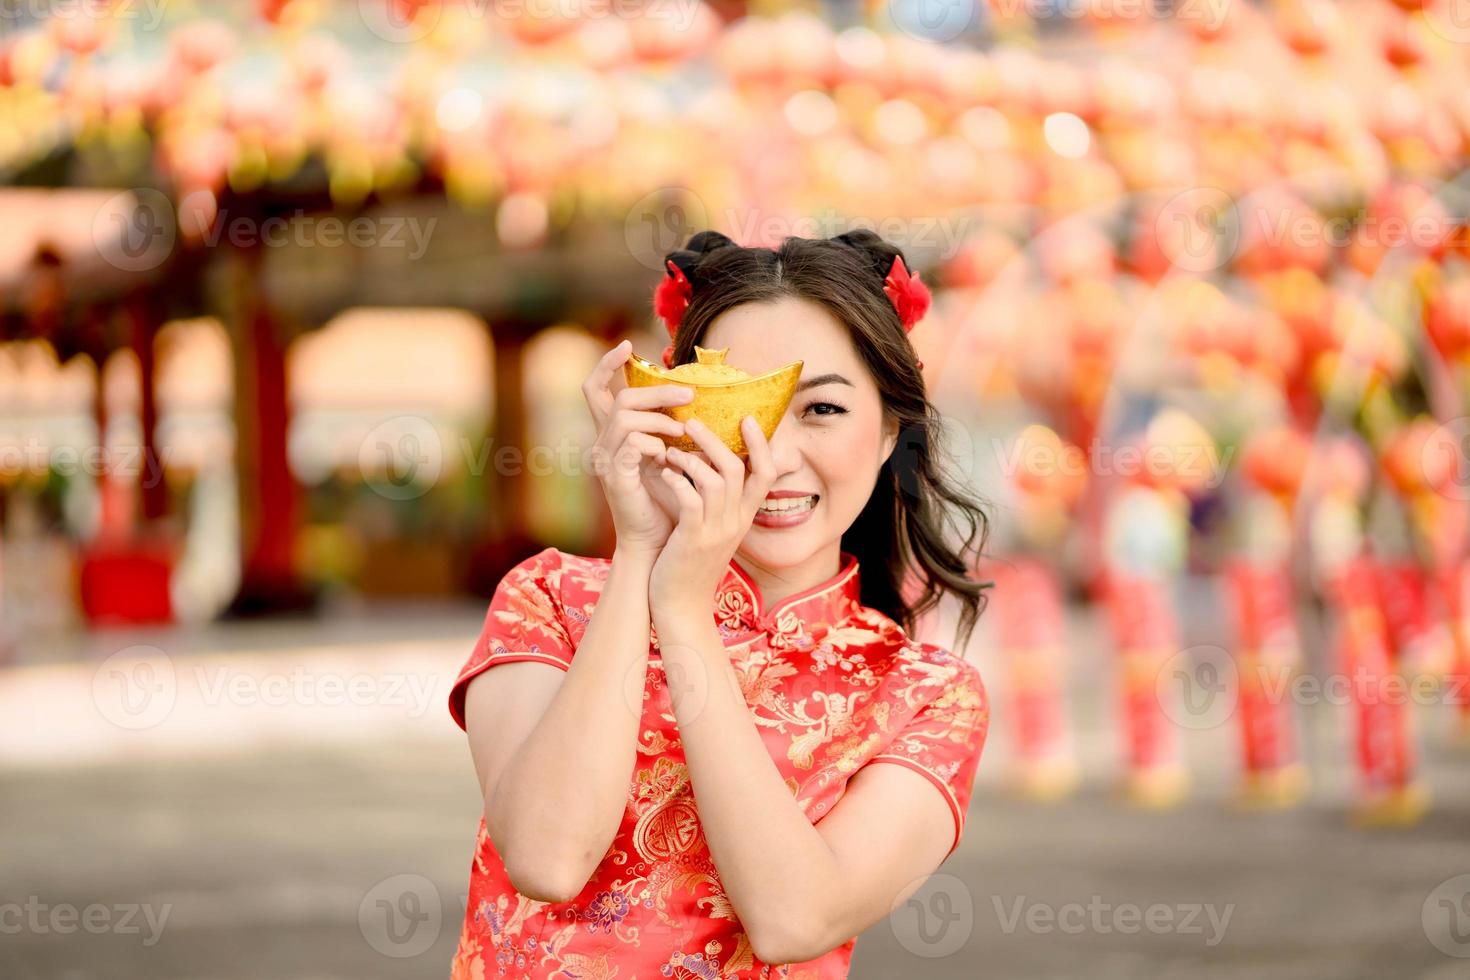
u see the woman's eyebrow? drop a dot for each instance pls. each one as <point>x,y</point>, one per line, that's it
<point>824,379</point>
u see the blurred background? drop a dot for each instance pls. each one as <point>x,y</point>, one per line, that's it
<point>296,297</point>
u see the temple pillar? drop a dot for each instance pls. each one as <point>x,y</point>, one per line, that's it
<point>507,488</point>
<point>270,508</point>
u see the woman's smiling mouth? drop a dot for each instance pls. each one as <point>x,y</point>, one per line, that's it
<point>784,508</point>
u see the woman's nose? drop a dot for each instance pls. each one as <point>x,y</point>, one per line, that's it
<point>785,452</point>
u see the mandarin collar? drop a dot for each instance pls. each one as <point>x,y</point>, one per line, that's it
<point>739,606</point>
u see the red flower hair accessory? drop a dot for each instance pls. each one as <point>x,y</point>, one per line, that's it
<point>670,300</point>
<point>908,293</point>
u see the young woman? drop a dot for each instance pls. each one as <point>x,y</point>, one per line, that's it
<point>683,749</point>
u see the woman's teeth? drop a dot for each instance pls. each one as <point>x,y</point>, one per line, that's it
<point>789,505</point>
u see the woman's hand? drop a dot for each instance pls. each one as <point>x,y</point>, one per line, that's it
<point>628,453</point>
<point>714,515</point>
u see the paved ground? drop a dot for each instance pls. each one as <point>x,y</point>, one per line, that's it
<point>270,855</point>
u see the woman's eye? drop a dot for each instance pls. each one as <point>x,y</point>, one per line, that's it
<point>826,408</point>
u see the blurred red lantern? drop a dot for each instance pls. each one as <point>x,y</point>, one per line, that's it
<point>200,45</point>
<point>1046,465</point>
<point>1177,452</point>
<point>1279,230</point>
<point>746,52</point>
<point>316,60</point>
<point>657,37</point>
<point>979,260</point>
<point>1275,460</point>
<point>605,43</point>
<point>1405,216</point>
<point>81,31</point>
<point>200,159</point>
<point>1305,304</point>
<point>1401,38</point>
<point>1307,26</point>
<point>1409,467</point>
<point>272,11</point>
<point>1223,20</point>
<point>1076,250</point>
<point>804,52</point>
<point>539,23</point>
<point>1342,468</point>
<point>1447,318</point>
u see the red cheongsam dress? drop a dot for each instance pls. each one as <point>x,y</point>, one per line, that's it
<point>833,686</point>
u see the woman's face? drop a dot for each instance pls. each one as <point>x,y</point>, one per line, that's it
<point>833,439</point>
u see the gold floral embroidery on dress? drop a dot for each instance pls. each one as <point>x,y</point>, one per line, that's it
<point>733,609</point>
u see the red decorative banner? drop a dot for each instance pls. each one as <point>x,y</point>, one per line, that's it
<point>1147,636</point>
<point>1266,655</point>
<point>1029,627</point>
<point>1382,724</point>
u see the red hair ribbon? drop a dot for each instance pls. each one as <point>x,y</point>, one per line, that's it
<point>908,293</point>
<point>670,300</point>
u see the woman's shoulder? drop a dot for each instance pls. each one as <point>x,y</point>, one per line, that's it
<point>559,573</point>
<point>937,667</point>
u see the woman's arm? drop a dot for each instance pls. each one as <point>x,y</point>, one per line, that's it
<point>555,753</point>
<point>555,761</point>
<point>799,889</point>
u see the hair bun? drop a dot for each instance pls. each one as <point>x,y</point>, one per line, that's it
<point>688,257</point>
<point>880,251</point>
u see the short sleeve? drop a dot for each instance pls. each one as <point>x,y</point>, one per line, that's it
<point>943,741</point>
<point>525,621</point>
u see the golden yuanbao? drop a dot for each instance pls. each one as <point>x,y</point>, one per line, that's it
<point>723,395</point>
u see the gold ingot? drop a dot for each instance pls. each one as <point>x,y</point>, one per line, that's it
<point>723,395</point>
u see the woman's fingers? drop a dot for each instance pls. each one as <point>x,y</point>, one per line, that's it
<point>644,446</point>
<point>711,484</point>
<point>762,466</point>
<point>595,389</point>
<point>624,459</point>
<point>691,504</point>
<point>715,450</point>
<point>655,422</point>
<point>654,396</point>
<point>731,469</point>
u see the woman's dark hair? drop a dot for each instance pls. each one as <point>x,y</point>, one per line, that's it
<point>916,500</point>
